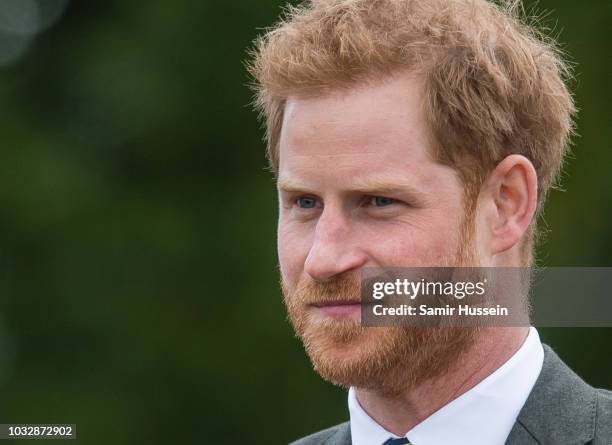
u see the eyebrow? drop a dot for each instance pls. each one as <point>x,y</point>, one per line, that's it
<point>366,186</point>
<point>290,185</point>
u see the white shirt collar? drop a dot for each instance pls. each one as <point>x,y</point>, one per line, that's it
<point>483,415</point>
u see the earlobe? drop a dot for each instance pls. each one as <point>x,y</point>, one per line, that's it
<point>514,186</point>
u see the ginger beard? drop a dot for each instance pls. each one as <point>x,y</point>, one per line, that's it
<point>388,360</point>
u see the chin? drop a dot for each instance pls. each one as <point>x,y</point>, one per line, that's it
<point>388,360</point>
<point>342,361</point>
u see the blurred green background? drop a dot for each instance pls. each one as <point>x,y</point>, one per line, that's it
<point>138,279</point>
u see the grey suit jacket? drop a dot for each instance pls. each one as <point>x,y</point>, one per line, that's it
<point>561,410</point>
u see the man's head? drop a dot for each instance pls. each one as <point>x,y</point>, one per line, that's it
<point>403,133</point>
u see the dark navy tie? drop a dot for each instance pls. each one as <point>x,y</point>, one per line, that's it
<point>400,441</point>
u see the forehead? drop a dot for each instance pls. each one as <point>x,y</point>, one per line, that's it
<point>374,129</point>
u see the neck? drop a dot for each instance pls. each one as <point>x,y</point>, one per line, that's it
<point>399,414</point>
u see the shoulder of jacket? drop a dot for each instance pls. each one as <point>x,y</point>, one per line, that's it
<point>320,437</point>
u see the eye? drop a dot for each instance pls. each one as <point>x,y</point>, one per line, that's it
<point>306,202</point>
<point>381,201</point>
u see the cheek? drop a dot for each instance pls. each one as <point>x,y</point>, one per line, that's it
<point>440,243</point>
<point>293,247</point>
<point>431,242</point>
<point>438,247</point>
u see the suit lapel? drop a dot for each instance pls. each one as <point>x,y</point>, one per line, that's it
<point>560,408</point>
<point>342,436</point>
<point>521,436</point>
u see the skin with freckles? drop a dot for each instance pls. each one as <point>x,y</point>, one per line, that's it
<point>357,188</point>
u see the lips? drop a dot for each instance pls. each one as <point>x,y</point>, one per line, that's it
<point>329,303</point>
<point>337,309</point>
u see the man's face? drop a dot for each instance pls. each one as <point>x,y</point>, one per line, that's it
<point>358,188</point>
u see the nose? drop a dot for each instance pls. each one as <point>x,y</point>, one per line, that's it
<point>335,248</point>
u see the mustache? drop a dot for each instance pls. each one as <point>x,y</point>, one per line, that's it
<point>346,288</point>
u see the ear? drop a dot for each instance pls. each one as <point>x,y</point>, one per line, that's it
<point>513,188</point>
